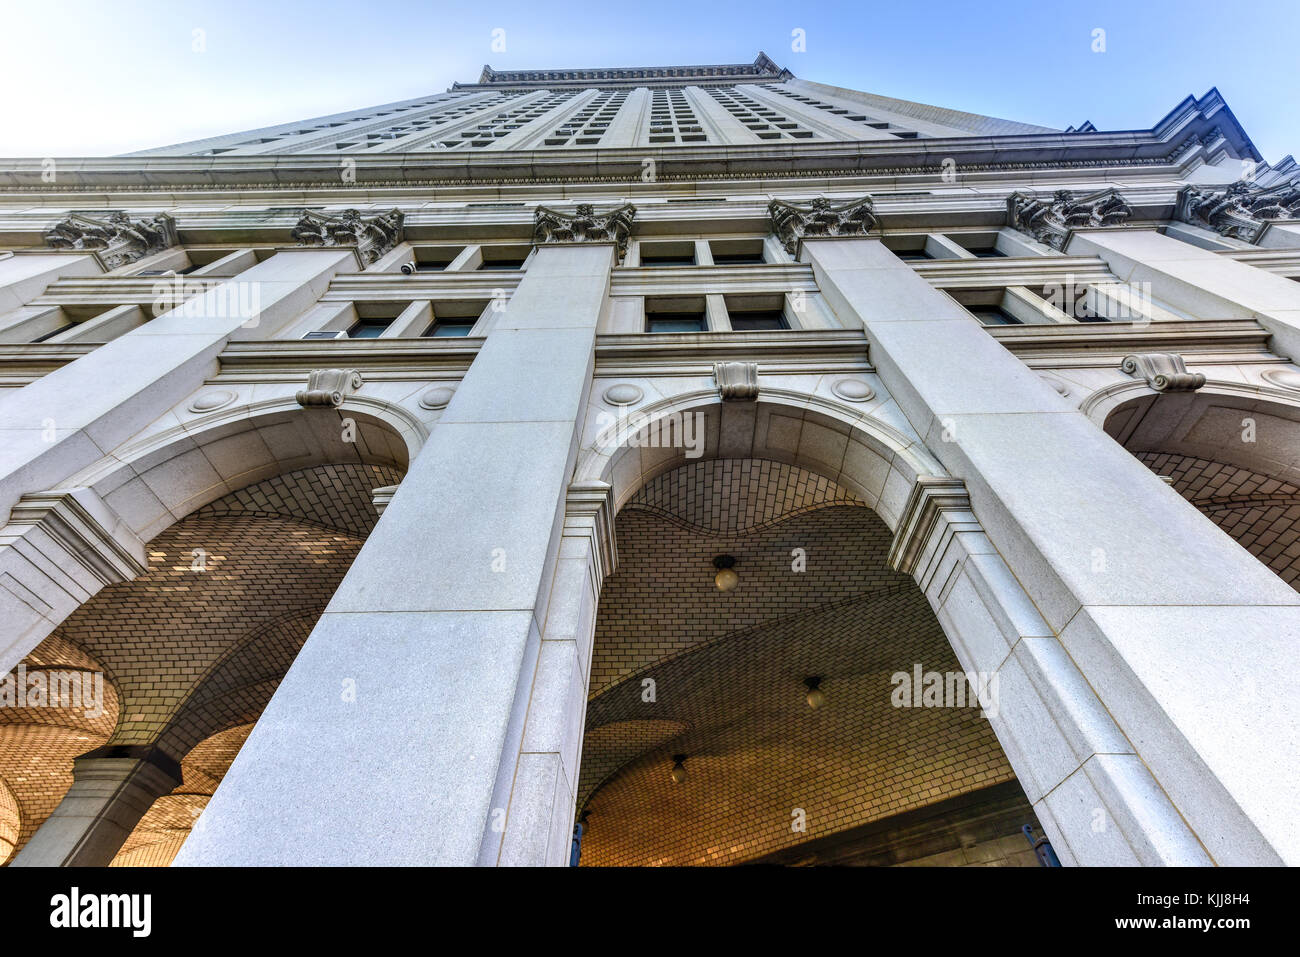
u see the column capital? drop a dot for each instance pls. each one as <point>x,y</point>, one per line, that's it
<point>371,237</point>
<point>1242,210</point>
<point>589,513</point>
<point>1054,222</point>
<point>89,535</point>
<point>935,503</point>
<point>114,238</point>
<point>794,222</point>
<point>584,225</point>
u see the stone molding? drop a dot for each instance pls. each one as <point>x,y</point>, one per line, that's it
<point>1242,210</point>
<point>794,222</point>
<point>935,503</point>
<point>589,513</point>
<point>115,238</point>
<point>1163,371</point>
<point>372,237</point>
<point>736,381</point>
<point>380,497</point>
<point>329,387</point>
<point>86,530</point>
<point>1053,223</point>
<point>584,225</point>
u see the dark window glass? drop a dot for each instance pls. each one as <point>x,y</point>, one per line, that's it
<point>502,264</point>
<point>757,321</point>
<point>448,329</point>
<point>667,260</point>
<point>368,330</point>
<point>675,322</point>
<point>993,316</point>
<point>738,259</point>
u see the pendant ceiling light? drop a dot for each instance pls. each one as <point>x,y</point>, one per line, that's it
<point>726,578</point>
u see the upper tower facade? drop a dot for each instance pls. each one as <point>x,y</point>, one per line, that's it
<point>731,104</point>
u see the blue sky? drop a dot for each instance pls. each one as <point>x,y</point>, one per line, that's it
<point>91,77</point>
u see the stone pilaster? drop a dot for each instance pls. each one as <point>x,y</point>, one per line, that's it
<point>543,792</point>
<point>1117,597</point>
<point>1202,282</point>
<point>112,788</point>
<point>410,729</point>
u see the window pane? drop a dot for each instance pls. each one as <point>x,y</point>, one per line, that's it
<point>662,323</point>
<point>447,330</point>
<point>756,321</point>
<point>367,330</point>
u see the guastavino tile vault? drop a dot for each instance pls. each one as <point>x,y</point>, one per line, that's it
<point>677,465</point>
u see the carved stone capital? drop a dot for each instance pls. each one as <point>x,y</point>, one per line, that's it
<point>1052,223</point>
<point>737,381</point>
<point>329,387</point>
<point>935,504</point>
<point>114,237</point>
<point>589,513</point>
<point>1164,371</point>
<point>1241,210</point>
<point>372,236</point>
<point>584,225</point>
<point>793,222</point>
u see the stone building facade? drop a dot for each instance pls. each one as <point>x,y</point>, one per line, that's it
<point>619,453</point>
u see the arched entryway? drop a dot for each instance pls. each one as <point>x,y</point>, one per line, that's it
<point>1235,456</point>
<point>193,648</point>
<point>680,668</point>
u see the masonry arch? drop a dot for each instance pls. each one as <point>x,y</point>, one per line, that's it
<point>767,776</point>
<point>197,644</point>
<point>1232,451</point>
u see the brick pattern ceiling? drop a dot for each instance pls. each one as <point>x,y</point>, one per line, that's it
<point>728,672</point>
<point>1262,513</point>
<point>186,653</point>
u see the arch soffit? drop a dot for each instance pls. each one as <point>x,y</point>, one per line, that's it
<point>868,456</point>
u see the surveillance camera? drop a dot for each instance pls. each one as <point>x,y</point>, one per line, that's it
<point>409,268</point>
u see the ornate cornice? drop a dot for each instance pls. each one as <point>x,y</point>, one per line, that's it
<point>1053,222</point>
<point>793,222</point>
<point>584,225</point>
<point>372,237</point>
<point>1242,210</point>
<point>1164,371</point>
<point>114,237</point>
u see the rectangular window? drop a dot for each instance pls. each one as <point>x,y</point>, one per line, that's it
<point>450,329</point>
<point>675,322</point>
<point>737,252</point>
<point>668,254</point>
<point>369,328</point>
<point>758,320</point>
<point>453,319</point>
<point>993,316</point>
